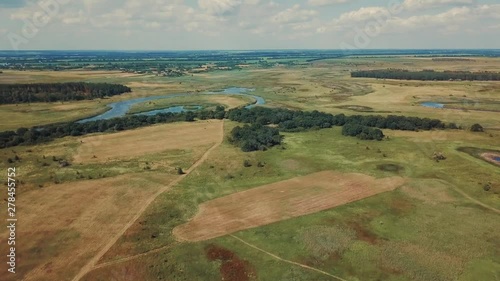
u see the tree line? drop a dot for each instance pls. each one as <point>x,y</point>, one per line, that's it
<point>262,133</point>
<point>51,92</point>
<point>296,120</point>
<point>427,74</point>
<point>41,134</point>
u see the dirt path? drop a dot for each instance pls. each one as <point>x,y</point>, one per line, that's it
<point>118,261</point>
<point>287,261</point>
<point>473,200</point>
<point>92,263</point>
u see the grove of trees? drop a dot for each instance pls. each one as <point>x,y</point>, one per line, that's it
<point>255,137</point>
<point>27,93</point>
<point>362,132</point>
<point>402,74</point>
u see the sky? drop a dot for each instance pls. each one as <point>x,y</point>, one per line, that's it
<point>248,24</point>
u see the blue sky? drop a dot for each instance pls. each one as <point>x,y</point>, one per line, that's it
<point>248,24</point>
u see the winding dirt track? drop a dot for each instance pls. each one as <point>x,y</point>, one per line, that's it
<point>287,261</point>
<point>93,261</point>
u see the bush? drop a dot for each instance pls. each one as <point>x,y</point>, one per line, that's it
<point>247,164</point>
<point>477,128</point>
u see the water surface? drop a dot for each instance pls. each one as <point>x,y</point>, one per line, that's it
<point>120,109</point>
<point>433,104</point>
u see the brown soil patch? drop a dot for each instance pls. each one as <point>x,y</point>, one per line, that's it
<point>401,206</point>
<point>279,201</point>
<point>149,140</point>
<point>232,268</point>
<point>64,225</point>
<point>217,253</point>
<point>363,234</point>
<point>490,157</point>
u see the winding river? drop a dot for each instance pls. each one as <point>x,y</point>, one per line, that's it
<point>120,109</point>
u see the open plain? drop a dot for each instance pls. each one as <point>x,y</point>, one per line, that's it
<point>180,201</point>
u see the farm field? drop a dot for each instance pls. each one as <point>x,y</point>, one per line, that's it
<point>147,141</point>
<point>279,201</point>
<point>180,201</point>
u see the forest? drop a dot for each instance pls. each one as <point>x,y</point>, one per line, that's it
<point>426,75</point>
<point>51,92</point>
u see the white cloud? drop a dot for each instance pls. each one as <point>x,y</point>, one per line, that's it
<point>219,7</point>
<point>326,2</point>
<point>273,21</point>
<point>294,15</point>
<point>427,4</point>
<point>252,2</point>
<point>362,15</point>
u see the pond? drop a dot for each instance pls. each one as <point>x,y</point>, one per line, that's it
<point>497,158</point>
<point>120,109</point>
<point>433,104</point>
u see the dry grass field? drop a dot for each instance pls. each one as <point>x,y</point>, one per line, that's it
<point>64,225</point>
<point>279,201</point>
<point>33,76</point>
<point>92,219</point>
<point>149,140</point>
<point>206,101</point>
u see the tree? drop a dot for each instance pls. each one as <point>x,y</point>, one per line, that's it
<point>477,128</point>
<point>190,116</point>
<point>180,171</point>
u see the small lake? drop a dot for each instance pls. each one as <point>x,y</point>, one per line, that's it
<point>120,109</point>
<point>433,104</point>
<point>496,159</point>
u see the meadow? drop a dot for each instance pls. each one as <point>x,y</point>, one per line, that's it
<point>115,213</point>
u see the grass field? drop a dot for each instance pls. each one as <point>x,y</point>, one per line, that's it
<point>146,141</point>
<point>435,220</point>
<point>208,102</point>
<point>72,221</point>
<point>279,201</point>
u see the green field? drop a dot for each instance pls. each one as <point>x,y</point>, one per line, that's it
<point>440,225</point>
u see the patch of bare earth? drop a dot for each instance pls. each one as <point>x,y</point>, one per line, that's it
<point>64,225</point>
<point>232,268</point>
<point>491,157</point>
<point>279,201</point>
<point>149,140</point>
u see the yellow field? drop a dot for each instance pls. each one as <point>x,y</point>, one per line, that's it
<point>64,225</point>
<point>130,144</point>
